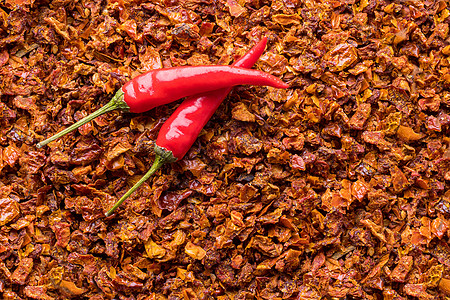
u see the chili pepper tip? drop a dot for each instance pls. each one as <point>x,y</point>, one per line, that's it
<point>116,102</point>
<point>162,156</point>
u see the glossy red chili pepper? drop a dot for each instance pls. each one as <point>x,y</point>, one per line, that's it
<point>180,131</point>
<point>162,86</point>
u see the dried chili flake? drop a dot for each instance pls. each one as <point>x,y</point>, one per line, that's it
<point>246,143</point>
<point>62,233</point>
<point>194,251</point>
<point>297,163</point>
<point>69,288</point>
<point>294,143</point>
<point>376,138</point>
<point>439,226</point>
<point>241,113</point>
<point>276,63</point>
<point>10,155</point>
<point>340,57</point>
<point>266,245</point>
<point>284,20</point>
<point>305,63</point>
<point>408,134</point>
<point>9,210</point>
<point>37,292</point>
<point>417,290</point>
<point>402,269</point>
<point>235,9</point>
<point>359,189</point>
<point>399,180</point>
<point>22,271</point>
<point>351,162</point>
<point>153,250</point>
<point>247,193</point>
<point>360,117</point>
<point>444,285</point>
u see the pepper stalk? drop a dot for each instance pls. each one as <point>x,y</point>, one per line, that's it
<point>162,156</point>
<point>117,102</point>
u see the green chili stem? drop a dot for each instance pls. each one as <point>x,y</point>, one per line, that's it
<point>116,102</point>
<point>159,161</point>
<point>83,121</point>
<point>162,156</point>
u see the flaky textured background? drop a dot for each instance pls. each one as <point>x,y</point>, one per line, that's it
<point>336,188</point>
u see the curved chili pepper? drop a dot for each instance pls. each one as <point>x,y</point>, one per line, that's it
<point>162,86</point>
<point>180,131</point>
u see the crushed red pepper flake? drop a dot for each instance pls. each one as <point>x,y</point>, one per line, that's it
<point>334,188</point>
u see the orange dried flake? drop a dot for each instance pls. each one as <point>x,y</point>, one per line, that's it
<point>9,210</point>
<point>444,285</point>
<point>154,250</point>
<point>194,251</point>
<point>439,226</point>
<point>11,155</point>
<point>333,200</point>
<point>235,9</point>
<point>37,292</point>
<point>399,180</point>
<point>22,271</point>
<point>241,113</point>
<point>359,189</point>
<point>408,134</point>
<point>340,57</point>
<point>150,59</point>
<point>284,20</point>
<point>358,120</point>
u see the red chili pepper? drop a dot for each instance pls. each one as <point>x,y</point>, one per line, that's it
<point>162,86</point>
<point>180,131</point>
